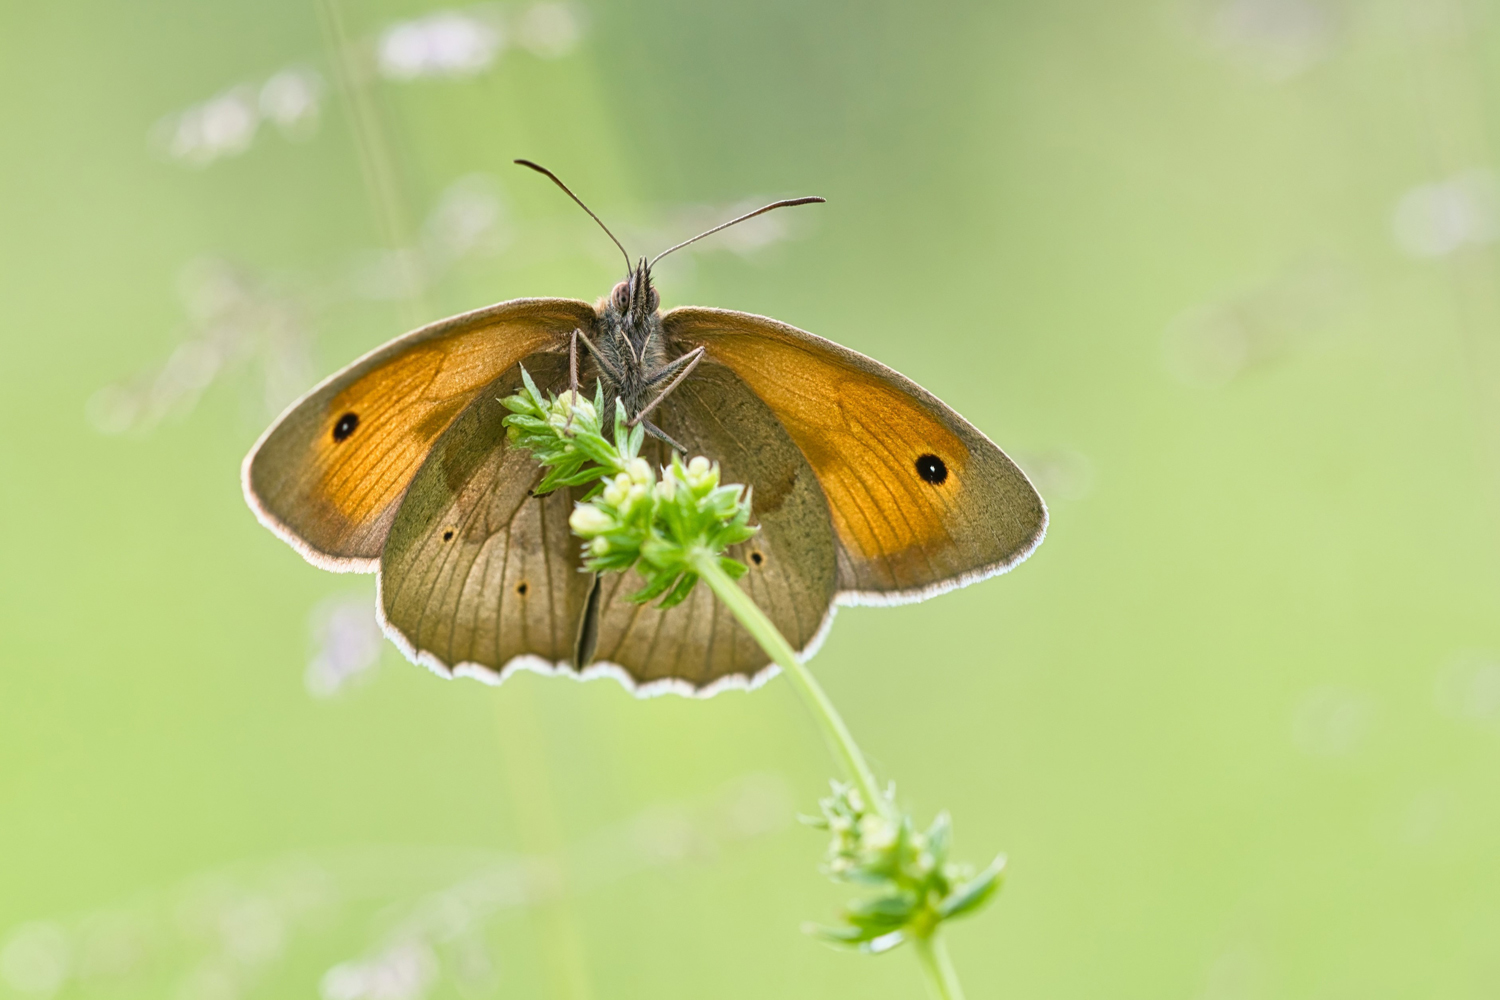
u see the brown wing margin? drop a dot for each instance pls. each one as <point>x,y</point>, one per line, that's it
<point>869,433</point>
<point>329,475</point>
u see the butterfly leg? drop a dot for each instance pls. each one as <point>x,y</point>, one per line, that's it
<point>599,359</point>
<point>573,361</point>
<point>661,435</point>
<point>687,363</point>
<point>572,374</point>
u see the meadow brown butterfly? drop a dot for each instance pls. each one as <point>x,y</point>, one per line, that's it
<point>867,488</point>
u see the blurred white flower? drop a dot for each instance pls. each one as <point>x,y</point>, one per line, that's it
<point>347,643</point>
<point>1434,220</point>
<point>234,320</point>
<point>221,126</point>
<point>403,972</point>
<point>35,959</point>
<point>225,125</point>
<point>293,101</point>
<point>550,30</point>
<point>1273,39</point>
<point>448,43</point>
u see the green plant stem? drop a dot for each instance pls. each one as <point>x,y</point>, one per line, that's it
<point>750,615</point>
<point>942,981</point>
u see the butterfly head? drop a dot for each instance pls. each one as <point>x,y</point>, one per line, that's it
<point>635,298</point>
<point>630,329</point>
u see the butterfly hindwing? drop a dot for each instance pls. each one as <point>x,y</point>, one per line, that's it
<point>476,571</point>
<point>921,501</point>
<point>330,473</point>
<point>791,568</point>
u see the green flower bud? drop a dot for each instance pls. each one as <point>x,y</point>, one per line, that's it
<point>587,520</point>
<point>618,489</point>
<point>639,471</point>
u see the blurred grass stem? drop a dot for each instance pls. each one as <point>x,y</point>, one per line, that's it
<point>942,980</point>
<point>376,164</point>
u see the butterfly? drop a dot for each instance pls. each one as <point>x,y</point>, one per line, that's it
<point>867,488</point>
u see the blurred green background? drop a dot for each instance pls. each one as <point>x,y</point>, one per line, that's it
<point>1220,273</point>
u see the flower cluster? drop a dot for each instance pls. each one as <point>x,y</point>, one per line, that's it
<point>565,434</point>
<point>662,525</point>
<point>659,524</point>
<point>917,886</point>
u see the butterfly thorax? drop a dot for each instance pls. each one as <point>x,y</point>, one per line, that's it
<point>630,345</point>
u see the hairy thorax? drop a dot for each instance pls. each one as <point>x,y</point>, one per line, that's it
<point>630,345</point>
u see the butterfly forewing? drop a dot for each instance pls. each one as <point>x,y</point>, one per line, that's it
<point>920,500</point>
<point>329,475</point>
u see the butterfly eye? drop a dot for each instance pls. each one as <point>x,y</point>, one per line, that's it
<point>345,426</point>
<point>932,470</point>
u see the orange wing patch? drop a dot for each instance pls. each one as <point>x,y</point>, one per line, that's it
<point>397,411</point>
<point>920,500</point>
<point>864,440</point>
<point>330,474</point>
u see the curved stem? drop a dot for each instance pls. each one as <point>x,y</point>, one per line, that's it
<point>774,643</point>
<point>942,981</point>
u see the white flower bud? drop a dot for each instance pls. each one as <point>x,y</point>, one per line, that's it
<point>640,471</point>
<point>587,519</point>
<point>666,489</point>
<point>599,546</point>
<point>701,475</point>
<point>578,404</point>
<point>877,832</point>
<point>615,493</point>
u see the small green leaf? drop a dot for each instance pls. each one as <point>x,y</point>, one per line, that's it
<point>680,592</point>
<point>882,913</point>
<point>531,388</point>
<point>939,837</point>
<point>973,894</point>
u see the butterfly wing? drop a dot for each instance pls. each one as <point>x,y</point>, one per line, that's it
<point>921,501</point>
<point>478,576</point>
<point>476,571</point>
<point>328,476</point>
<point>698,646</point>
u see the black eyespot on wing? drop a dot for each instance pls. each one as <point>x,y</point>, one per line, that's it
<point>345,426</point>
<point>932,470</point>
<point>448,535</point>
<point>521,588</point>
<point>757,558</point>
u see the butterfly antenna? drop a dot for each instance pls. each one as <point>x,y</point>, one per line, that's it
<point>566,190</point>
<point>732,222</point>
